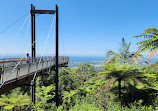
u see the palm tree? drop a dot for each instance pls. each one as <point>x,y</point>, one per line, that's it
<point>151,42</point>
<point>124,55</point>
<point>118,73</point>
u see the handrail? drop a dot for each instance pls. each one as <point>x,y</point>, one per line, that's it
<point>33,57</point>
<point>9,60</point>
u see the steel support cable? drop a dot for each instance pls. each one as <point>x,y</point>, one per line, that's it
<point>26,34</point>
<point>54,37</point>
<point>14,38</point>
<point>32,82</point>
<point>13,23</point>
<point>37,42</point>
<point>53,40</point>
<point>62,40</point>
<point>27,31</point>
<point>17,65</point>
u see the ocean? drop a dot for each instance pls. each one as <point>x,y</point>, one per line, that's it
<point>87,58</point>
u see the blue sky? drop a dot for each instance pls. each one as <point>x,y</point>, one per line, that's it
<point>88,27</point>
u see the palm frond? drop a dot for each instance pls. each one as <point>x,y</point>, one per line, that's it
<point>152,53</point>
<point>112,53</point>
<point>145,36</point>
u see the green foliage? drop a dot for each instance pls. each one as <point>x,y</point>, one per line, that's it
<point>131,76</point>
<point>124,55</point>
<point>46,79</point>
<point>119,71</point>
<point>136,106</point>
<point>94,84</point>
<point>44,95</point>
<point>69,94</point>
<point>83,106</point>
<point>84,72</point>
<point>153,67</point>
<point>150,34</point>
<point>67,81</point>
<point>15,101</point>
<point>85,89</point>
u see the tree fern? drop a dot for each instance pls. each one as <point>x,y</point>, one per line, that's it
<point>151,42</point>
<point>128,73</point>
<point>14,100</point>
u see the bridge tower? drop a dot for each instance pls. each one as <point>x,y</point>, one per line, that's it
<point>33,12</point>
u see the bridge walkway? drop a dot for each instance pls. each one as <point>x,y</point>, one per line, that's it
<point>15,72</point>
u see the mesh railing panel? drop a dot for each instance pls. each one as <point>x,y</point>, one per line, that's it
<point>8,75</point>
<point>24,69</point>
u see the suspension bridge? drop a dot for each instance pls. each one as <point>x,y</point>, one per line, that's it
<point>15,72</point>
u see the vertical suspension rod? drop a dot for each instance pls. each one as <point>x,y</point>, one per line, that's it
<point>56,70</point>
<point>33,51</point>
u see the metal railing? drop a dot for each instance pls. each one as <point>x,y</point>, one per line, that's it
<point>24,68</point>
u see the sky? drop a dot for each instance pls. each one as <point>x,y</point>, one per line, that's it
<point>86,27</point>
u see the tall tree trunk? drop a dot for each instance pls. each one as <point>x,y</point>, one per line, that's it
<point>119,89</point>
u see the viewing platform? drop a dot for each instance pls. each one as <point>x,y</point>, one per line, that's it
<point>15,72</point>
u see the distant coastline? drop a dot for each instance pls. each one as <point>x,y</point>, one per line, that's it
<point>87,58</point>
<point>95,61</point>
